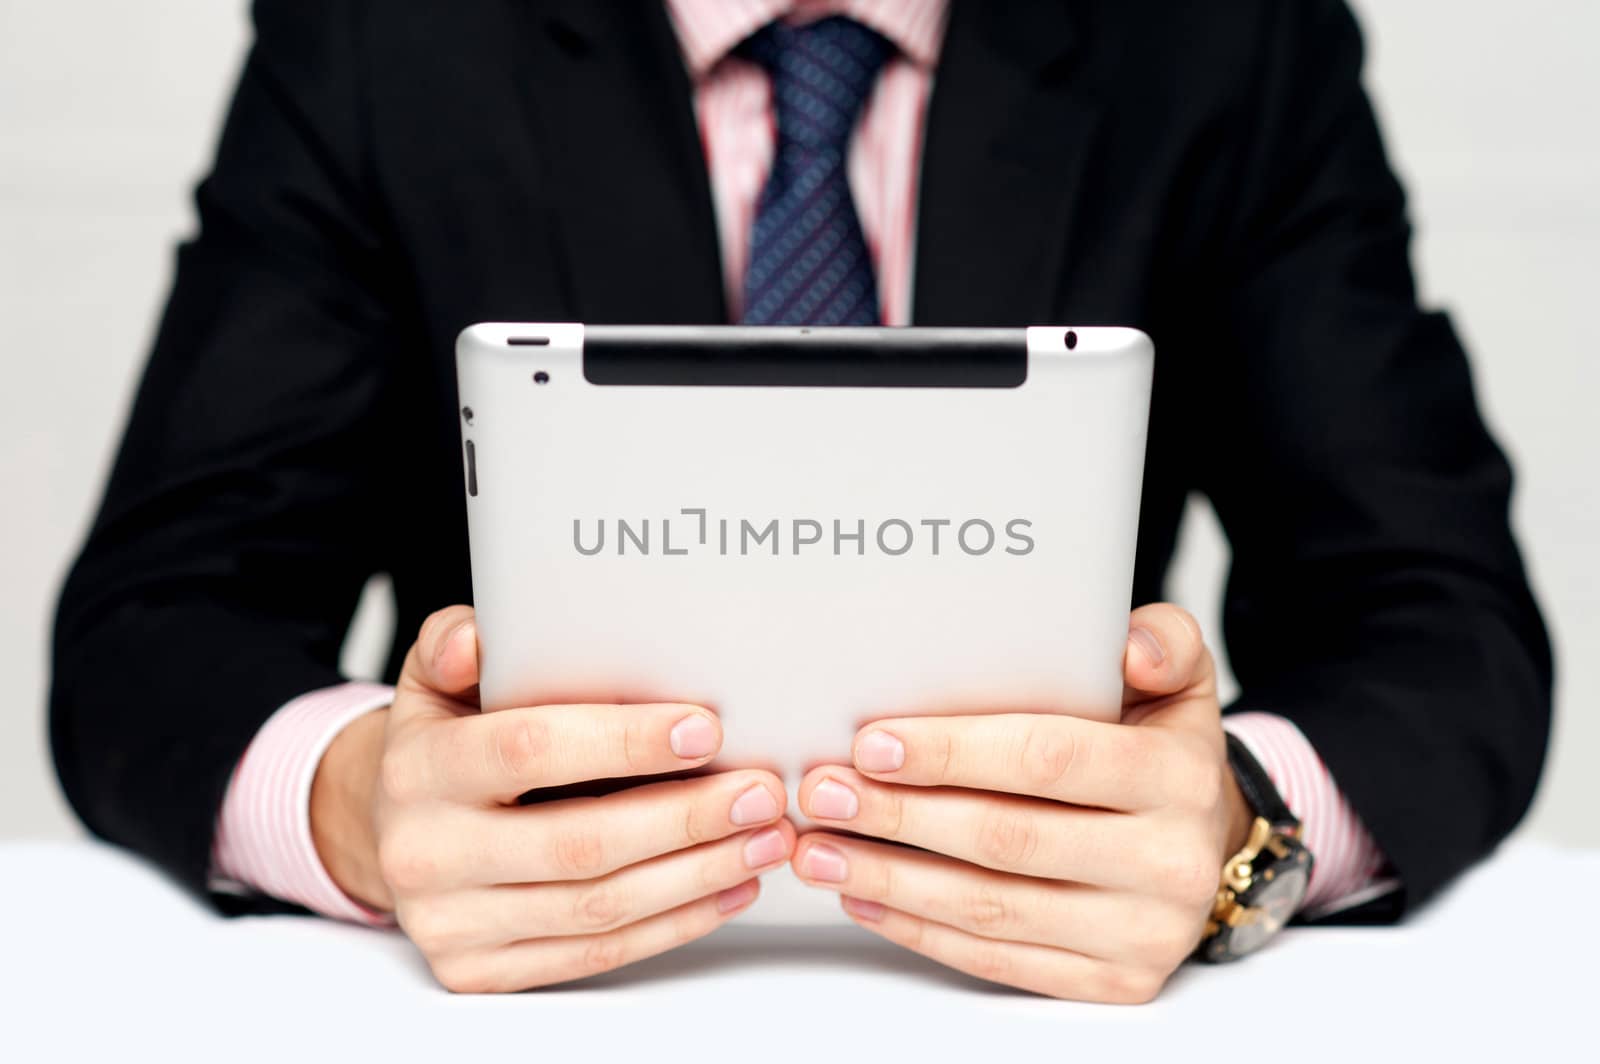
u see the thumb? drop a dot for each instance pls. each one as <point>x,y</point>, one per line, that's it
<point>1166,653</point>
<point>442,666</point>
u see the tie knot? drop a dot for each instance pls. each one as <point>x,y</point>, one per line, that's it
<point>821,73</point>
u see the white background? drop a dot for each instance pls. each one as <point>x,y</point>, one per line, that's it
<point>108,112</point>
<point>1438,988</point>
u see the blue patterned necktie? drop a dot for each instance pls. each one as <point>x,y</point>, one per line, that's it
<point>808,256</point>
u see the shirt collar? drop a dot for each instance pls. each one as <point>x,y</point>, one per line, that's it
<point>709,29</point>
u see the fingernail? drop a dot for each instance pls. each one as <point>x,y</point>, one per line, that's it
<point>764,849</point>
<point>1148,644</point>
<point>824,863</point>
<point>737,897</point>
<point>449,638</point>
<point>867,910</point>
<point>834,801</point>
<point>878,751</point>
<point>693,736</point>
<point>754,806</point>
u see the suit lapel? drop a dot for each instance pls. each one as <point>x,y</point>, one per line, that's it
<point>1007,140</point>
<point>637,226</point>
<point>1004,156</point>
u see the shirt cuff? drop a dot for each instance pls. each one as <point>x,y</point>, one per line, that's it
<point>1348,862</point>
<point>263,840</point>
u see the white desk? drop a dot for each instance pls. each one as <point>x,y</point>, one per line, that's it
<point>103,959</point>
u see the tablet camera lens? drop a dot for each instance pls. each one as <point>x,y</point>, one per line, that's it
<point>1072,340</point>
<point>541,377</point>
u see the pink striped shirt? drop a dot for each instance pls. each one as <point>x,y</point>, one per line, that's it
<point>264,840</point>
<point>733,102</point>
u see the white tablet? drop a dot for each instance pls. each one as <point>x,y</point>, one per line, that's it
<point>804,529</point>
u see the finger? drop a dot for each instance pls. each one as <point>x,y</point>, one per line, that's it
<point>1166,652</point>
<point>1006,833</point>
<point>1065,759</point>
<point>513,912</point>
<point>487,757</point>
<point>441,668</point>
<point>1041,969</point>
<point>541,962</point>
<point>584,838</point>
<point>1110,925</point>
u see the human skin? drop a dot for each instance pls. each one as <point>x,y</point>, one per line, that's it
<point>414,811</point>
<point>1069,857</point>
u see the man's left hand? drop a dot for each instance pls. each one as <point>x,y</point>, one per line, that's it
<point>1069,857</point>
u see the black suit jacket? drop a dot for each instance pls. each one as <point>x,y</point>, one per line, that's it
<point>1212,173</point>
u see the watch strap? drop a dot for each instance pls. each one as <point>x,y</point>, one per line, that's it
<point>1256,785</point>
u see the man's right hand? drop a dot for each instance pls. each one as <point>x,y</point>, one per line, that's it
<point>417,814</point>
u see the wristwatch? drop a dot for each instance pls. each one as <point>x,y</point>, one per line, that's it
<point>1264,883</point>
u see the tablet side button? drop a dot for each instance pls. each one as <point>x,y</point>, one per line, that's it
<point>472,469</point>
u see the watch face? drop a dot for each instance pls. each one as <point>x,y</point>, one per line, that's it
<point>1274,903</point>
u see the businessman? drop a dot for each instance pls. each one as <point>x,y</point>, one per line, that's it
<point>1213,174</point>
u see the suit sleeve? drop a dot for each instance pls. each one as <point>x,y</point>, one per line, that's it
<point>243,511</point>
<point>1376,598</point>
